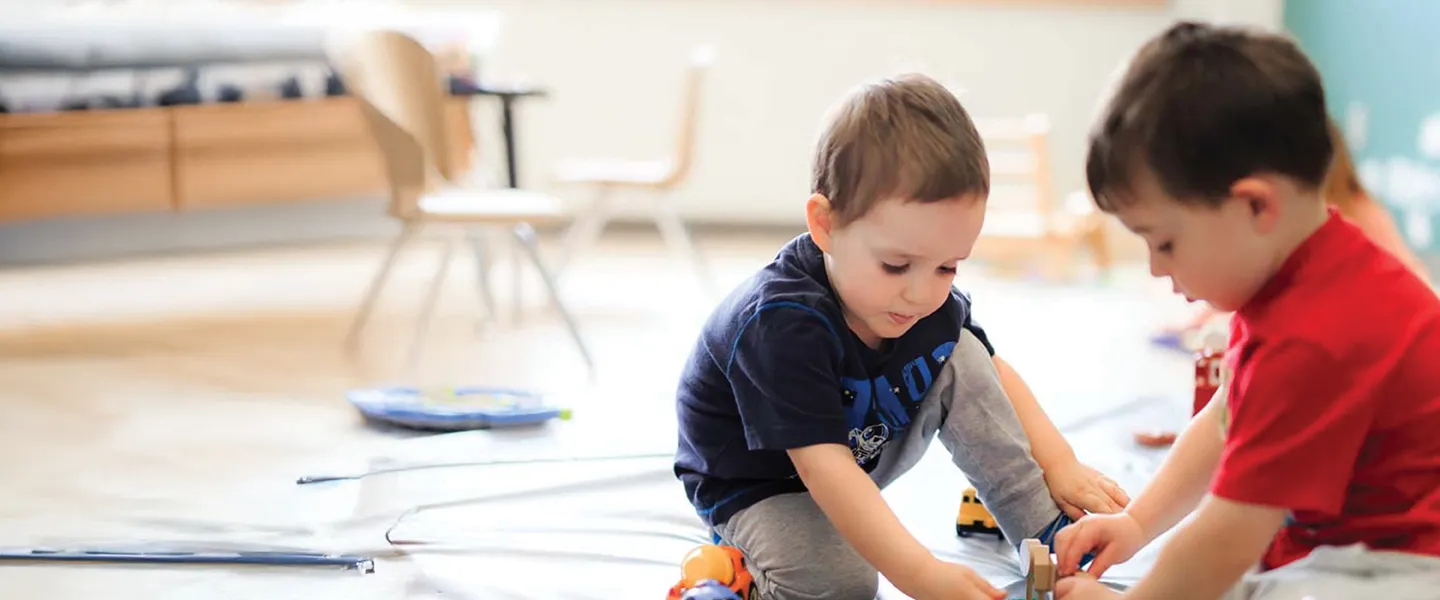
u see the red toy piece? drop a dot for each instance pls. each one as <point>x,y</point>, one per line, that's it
<point>710,564</point>
<point>1207,376</point>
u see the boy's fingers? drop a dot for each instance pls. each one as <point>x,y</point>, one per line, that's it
<point>1112,506</point>
<point>1097,501</point>
<point>1072,511</point>
<point>1103,561</point>
<point>1064,586</point>
<point>1116,492</point>
<point>984,586</point>
<point>1071,543</point>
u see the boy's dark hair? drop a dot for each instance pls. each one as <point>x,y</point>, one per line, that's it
<point>907,137</point>
<point>1200,107</point>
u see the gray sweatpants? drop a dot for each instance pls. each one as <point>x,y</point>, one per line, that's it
<point>1345,572</point>
<point>793,550</point>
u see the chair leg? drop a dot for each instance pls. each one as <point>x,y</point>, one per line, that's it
<point>586,229</point>
<point>525,238</point>
<point>677,236</point>
<point>480,245</point>
<point>377,282</point>
<point>427,311</point>
<point>517,282</point>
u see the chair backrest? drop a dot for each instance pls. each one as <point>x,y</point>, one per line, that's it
<point>701,58</point>
<point>1020,179</point>
<point>401,95</point>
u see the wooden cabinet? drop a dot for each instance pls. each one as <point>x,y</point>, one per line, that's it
<point>193,157</point>
<point>84,163</point>
<point>235,154</point>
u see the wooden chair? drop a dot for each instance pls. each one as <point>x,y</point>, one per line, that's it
<point>657,178</point>
<point>401,94</point>
<point>1024,222</point>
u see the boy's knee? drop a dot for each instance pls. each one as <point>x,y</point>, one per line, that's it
<point>794,552</point>
<point>831,577</point>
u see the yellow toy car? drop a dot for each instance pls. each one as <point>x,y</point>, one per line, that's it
<point>974,517</point>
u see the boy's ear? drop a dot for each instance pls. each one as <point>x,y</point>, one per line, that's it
<point>1261,198</point>
<point>819,220</point>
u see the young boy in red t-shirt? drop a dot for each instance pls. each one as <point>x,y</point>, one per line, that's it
<point>1316,469</point>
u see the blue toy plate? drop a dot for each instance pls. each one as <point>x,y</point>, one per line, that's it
<point>452,409</point>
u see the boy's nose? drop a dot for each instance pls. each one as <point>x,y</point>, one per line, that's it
<point>919,291</point>
<point>1157,269</point>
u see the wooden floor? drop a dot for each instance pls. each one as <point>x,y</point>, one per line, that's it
<point>185,384</point>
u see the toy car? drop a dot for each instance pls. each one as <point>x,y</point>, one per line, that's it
<point>712,572</point>
<point>710,589</point>
<point>974,517</point>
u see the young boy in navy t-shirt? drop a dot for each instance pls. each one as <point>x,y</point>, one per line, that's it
<point>825,375</point>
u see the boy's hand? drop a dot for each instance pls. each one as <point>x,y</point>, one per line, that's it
<point>940,580</point>
<point>1079,489</point>
<point>1082,586</point>
<point>1116,537</point>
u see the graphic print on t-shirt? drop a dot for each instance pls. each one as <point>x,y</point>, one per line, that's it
<point>879,411</point>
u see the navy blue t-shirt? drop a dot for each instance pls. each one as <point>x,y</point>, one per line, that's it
<point>776,368</point>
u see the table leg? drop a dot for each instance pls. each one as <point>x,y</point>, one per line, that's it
<point>507,126</point>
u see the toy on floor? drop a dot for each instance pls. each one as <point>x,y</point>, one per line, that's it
<point>713,572</point>
<point>709,589</point>
<point>1039,570</point>
<point>453,409</point>
<point>974,517</point>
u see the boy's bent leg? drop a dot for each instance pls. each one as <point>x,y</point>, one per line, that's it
<point>795,553</point>
<point>1345,572</point>
<point>978,425</point>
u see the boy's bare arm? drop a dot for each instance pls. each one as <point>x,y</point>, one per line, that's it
<point>853,503</point>
<point>1184,477</point>
<point>1046,443</point>
<point>1212,552</point>
<point>1076,487</point>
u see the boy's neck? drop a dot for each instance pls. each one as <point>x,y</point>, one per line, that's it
<point>1307,218</point>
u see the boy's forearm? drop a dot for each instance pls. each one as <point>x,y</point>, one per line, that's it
<point>1047,445</point>
<point>1211,553</point>
<point>854,505</point>
<point>1184,477</point>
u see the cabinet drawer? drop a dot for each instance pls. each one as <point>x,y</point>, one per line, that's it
<point>84,163</point>
<point>242,125</point>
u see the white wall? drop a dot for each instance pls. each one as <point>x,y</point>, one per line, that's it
<point>614,68</point>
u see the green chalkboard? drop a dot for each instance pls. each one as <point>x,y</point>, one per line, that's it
<point>1381,64</point>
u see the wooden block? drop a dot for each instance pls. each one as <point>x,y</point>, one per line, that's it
<point>1040,571</point>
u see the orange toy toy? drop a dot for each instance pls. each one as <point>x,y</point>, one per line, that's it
<point>723,564</point>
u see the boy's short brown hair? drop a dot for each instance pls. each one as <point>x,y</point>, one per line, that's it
<point>906,137</point>
<point>1203,106</point>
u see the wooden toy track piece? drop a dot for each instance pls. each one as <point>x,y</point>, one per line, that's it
<point>1039,568</point>
<point>1155,439</point>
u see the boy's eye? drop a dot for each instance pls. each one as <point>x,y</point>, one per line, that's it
<point>894,269</point>
<point>1165,248</point>
<point>948,270</point>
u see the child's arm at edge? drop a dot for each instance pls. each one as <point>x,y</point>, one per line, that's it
<point>1076,488</point>
<point>1211,553</point>
<point>852,501</point>
<point>1184,478</point>
<point>1047,444</point>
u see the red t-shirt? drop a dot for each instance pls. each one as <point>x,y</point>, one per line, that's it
<point>1333,400</point>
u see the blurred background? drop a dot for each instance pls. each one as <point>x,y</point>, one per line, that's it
<point>217,218</point>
